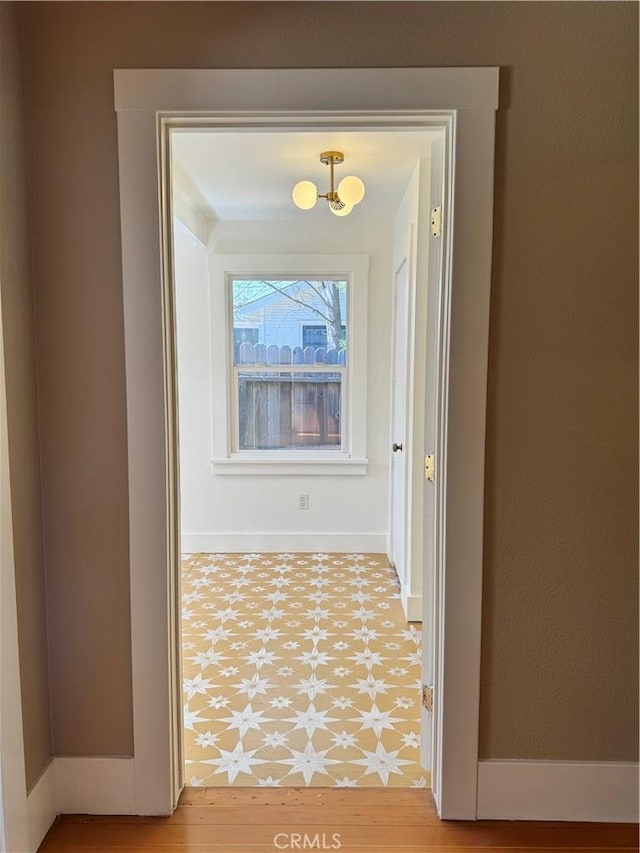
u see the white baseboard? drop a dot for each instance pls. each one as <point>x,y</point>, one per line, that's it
<point>239,543</point>
<point>95,785</point>
<point>412,606</point>
<point>558,790</point>
<point>80,786</point>
<point>42,807</point>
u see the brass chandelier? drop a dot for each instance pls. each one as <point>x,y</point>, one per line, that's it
<point>350,190</point>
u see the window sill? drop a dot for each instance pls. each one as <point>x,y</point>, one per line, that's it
<point>288,466</point>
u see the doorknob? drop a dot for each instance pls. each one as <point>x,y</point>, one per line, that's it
<point>396,447</point>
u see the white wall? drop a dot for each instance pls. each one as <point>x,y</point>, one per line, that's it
<point>241,512</point>
<point>191,270</point>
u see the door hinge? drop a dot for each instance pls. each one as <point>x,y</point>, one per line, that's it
<point>430,467</point>
<point>436,221</point>
<point>427,697</point>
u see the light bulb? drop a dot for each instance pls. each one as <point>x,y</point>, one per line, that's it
<point>345,210</point>
<point>351,190</point>
<point>305,195</point>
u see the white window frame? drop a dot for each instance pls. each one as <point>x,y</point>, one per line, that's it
<point>352,457</point>
<point>236,370</point>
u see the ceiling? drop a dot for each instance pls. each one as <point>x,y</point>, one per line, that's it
<point>249,175</point>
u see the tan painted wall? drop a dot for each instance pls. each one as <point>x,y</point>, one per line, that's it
<point>22,404</point>
<point>560,626</point>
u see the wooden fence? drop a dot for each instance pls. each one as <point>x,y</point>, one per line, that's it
<point>288,409</point>
<point>247,354</point>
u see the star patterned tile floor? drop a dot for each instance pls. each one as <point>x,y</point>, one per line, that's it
<point>299,670</point>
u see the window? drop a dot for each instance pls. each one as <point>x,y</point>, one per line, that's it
<point>295,363</point>
<point>316,336</point>
<point>245,334</point>
<point>288,397</point>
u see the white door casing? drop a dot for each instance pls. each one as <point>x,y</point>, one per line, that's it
<point>436,365</point>
<point>13,791</point>
<point>463,101</point>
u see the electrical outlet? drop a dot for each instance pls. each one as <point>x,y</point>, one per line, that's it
<point>303,501</point>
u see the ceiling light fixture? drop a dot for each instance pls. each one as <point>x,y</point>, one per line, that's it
<point>350,190</point>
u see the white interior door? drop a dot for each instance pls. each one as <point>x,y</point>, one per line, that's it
<point>404,547</point>
<point>399,416</point>
<point>417,407</point>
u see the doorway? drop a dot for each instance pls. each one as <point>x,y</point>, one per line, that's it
<point>465,101</point>
<point>342,690</point>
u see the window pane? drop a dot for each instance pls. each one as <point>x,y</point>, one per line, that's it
<point>292,322</point>
<point>289,411</point>
<point>245,334</point>
<point>316,336</point>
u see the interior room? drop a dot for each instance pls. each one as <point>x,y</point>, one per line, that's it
<point>300,664</point>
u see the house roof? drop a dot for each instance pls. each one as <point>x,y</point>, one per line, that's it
<point>261,293</point>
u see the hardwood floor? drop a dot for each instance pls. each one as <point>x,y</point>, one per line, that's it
<point>265,820</point>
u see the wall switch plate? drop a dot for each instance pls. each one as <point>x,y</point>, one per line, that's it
<point>303,501</point>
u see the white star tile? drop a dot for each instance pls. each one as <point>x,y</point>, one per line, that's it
<point>245,720</point>
<point>191,717</point>
<point>254,686</point>
<point>310,720</point>
<point>381,762</point>
<point>309,762</point>
<point>376,720</point>
<point>234,761</point>
<point>198,684</point>
<point>291,676</point>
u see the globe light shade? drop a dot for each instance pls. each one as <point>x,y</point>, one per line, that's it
<point>351,190</point>
<point>344,211</point>
<point>305,195</point>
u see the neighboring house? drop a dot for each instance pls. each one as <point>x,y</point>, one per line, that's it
<point>279,317</point>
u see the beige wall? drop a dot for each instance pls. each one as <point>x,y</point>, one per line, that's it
<point>22,405</point>
<point>560,629</point>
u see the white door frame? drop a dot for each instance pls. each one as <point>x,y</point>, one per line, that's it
<point>465,99</point>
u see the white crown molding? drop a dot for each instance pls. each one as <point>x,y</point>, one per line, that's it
<point>555,790</point>
<point>190,217</point>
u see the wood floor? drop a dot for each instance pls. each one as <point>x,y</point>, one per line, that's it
<point>255,820</point>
